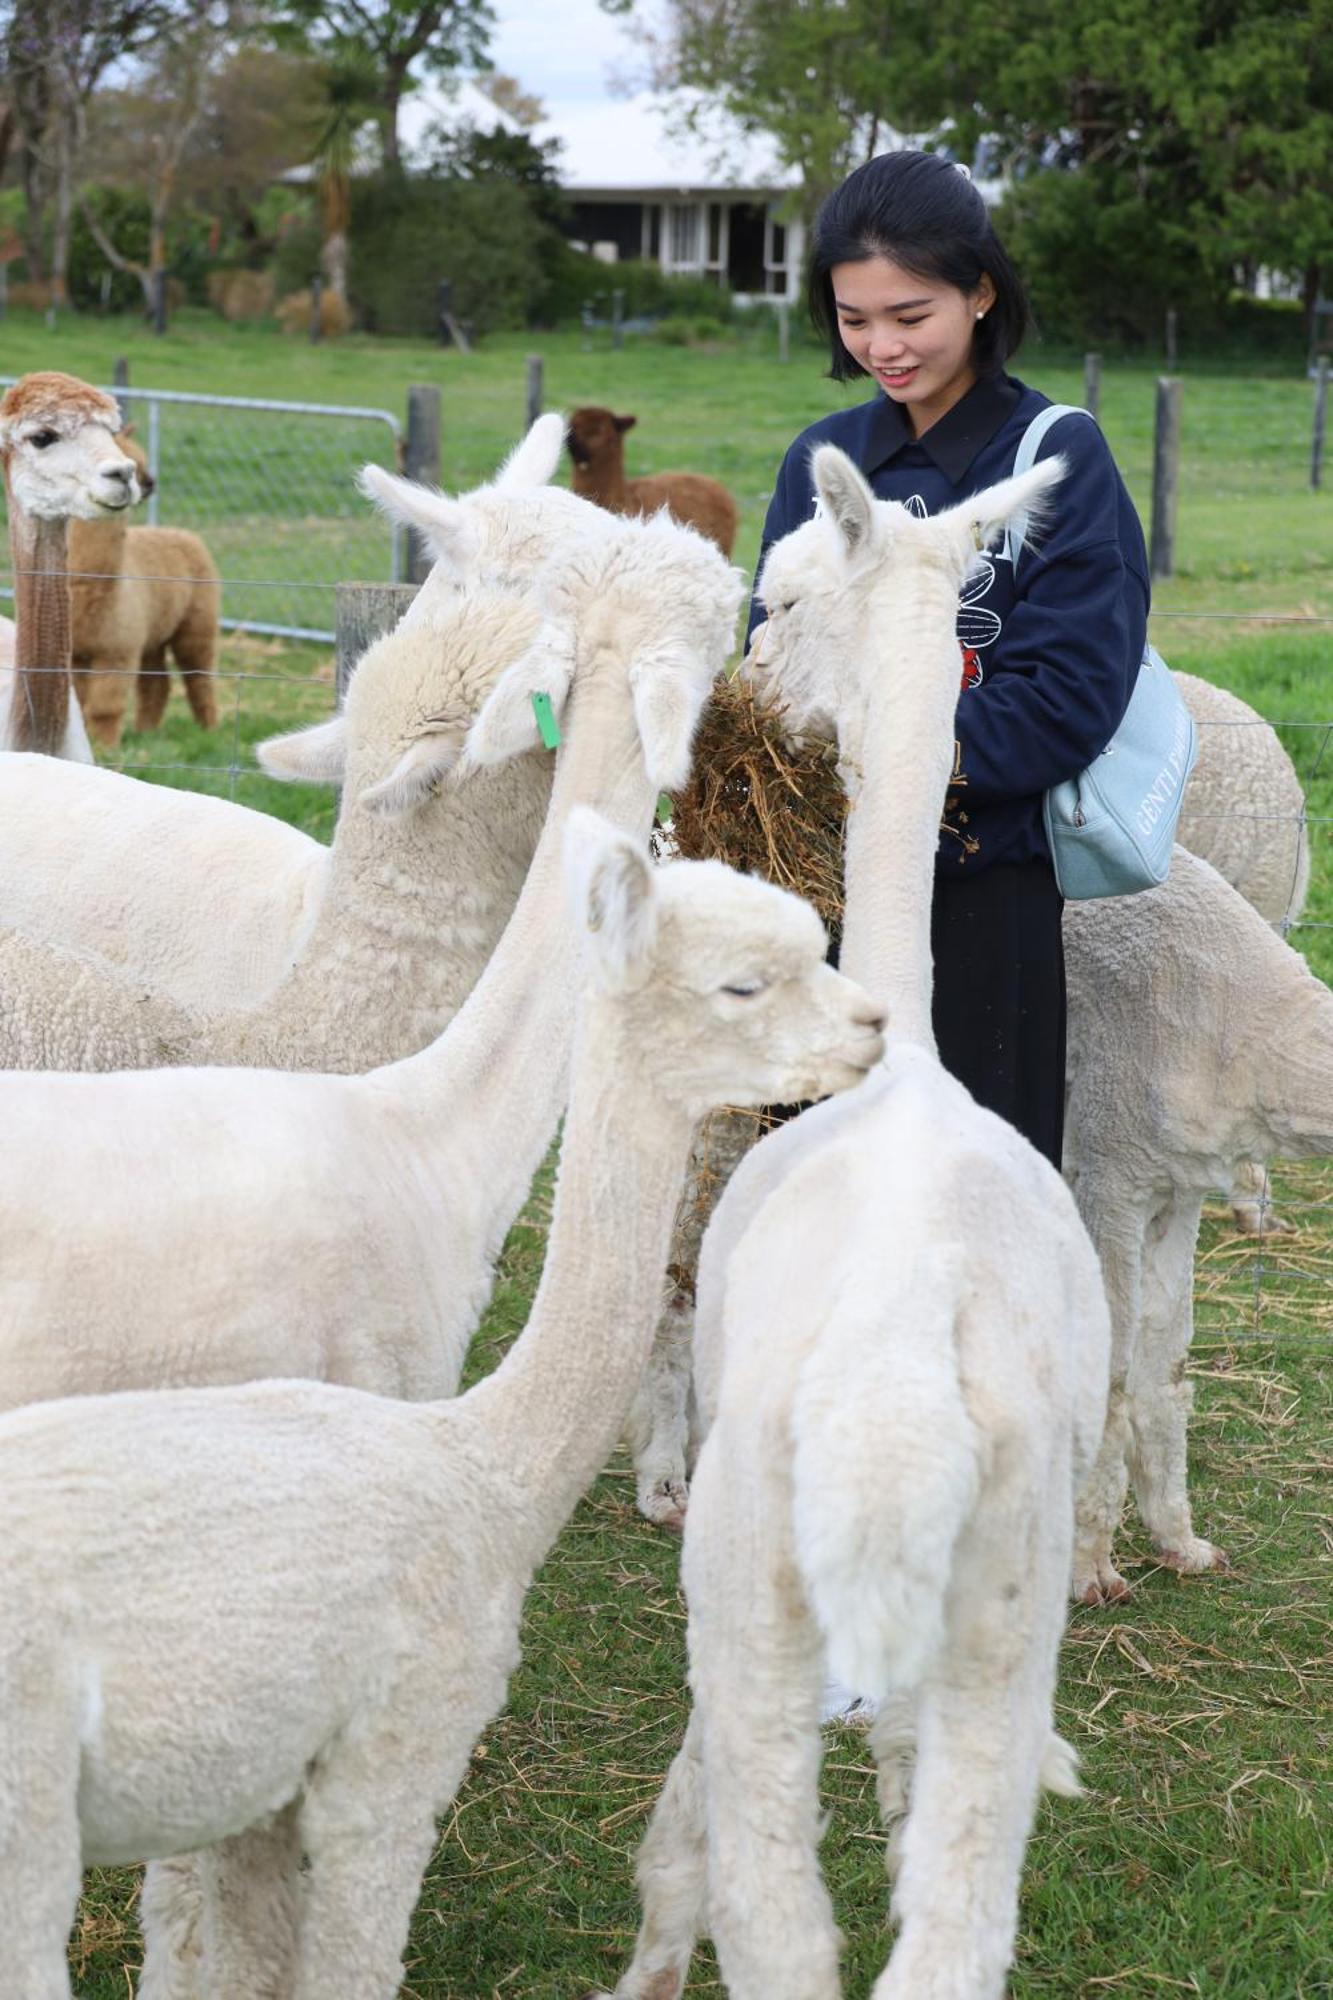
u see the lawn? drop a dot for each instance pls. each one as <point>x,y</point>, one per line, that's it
<point>1198,1864</point>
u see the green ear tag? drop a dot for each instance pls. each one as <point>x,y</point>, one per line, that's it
<point>547,725</point>
<point>664,808</point>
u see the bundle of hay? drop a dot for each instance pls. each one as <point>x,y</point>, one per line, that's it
<point>770,806</point>
<point>762,802</point>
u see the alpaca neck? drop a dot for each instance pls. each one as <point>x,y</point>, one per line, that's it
<point>550,1415</point>
<point>907,756</point>
<point>601,482</point>
<point>409,916</point>
<point>39,712</point>
<point>491,1090</point>
<point>96,552</point>
<point>1294,1051</point>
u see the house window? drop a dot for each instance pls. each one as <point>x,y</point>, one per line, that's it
<point>684,235</point>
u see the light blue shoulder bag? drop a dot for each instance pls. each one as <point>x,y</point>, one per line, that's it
<point>1111,829</point>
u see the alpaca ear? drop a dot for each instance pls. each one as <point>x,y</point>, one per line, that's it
<point>669,693</point>
<point>624,423</point>
<point>506,723</point>
<point>1019,504</point>
<point>316,756</point>
<point>534,459</point>
<point>614,895</point>
<point>442,522</point>
<point>416,774</point>
<point>845,498</point>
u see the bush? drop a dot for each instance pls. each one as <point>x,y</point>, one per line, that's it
<point>241,295</point>
<point>679,330</point>
<point>408,234</point>
<point>294,314</point>
<point>1102,268</point>
<point>649,292</point>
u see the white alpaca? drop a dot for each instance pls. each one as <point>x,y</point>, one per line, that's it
<point>270,1622</point>
<point>901,1351</point>
<point>210,1225</point>
<point>210,906</point>
<point>1244,811</point>
<point>1198,1040</point>
<point>61,463</point>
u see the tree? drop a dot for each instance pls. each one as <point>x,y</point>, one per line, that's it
<point>1210,121</point>
<point>152,124</point>
<point>388,36</point>
<point>56,52</point>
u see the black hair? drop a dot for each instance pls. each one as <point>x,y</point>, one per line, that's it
<point>919,211</point>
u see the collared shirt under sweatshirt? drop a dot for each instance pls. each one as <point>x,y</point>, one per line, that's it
<point>1048,657</point>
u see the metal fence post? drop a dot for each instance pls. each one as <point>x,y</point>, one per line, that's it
<point>535,388</point>
<point>120,378</point>
<point>1092,384</point>
<point>421,461</point>
<point>1320,417</point>
<point>617,318</point>
<point>1165,479</point>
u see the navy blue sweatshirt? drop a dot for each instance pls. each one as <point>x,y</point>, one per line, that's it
<point>1048,659</point>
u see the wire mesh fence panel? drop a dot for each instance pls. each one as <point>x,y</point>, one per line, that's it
<point>270,487</point>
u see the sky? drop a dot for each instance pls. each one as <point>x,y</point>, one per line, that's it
<point>565,52</point>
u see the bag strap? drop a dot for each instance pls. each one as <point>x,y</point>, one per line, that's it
<point>1024,460</point>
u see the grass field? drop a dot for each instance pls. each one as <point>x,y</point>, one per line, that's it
<point>1199,1863</point>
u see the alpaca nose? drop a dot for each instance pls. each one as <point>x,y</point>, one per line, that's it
<point>122,473</point>
<point>874,1017</point>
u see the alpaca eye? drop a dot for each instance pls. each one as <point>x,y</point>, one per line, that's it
<point>745,991</point>
<point>43,438</point>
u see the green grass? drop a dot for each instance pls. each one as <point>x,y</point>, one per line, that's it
<point>1199,1862</point>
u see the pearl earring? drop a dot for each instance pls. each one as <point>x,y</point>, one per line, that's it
<point>981,315</point>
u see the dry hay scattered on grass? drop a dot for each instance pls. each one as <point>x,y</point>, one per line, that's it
<point>762,803</point>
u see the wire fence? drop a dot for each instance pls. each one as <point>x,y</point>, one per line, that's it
<point>270,488</point>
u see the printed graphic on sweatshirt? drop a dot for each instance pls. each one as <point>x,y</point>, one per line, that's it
<point>977,626</point>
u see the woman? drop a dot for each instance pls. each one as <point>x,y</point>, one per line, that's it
<point>912,288</point>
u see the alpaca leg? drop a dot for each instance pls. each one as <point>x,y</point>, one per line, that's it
<point>367,1825</point>
<point>1117,1224</point>
<point>104,693</point>
<point>170,1916</point>
<point>40,1864</point>
<point>1160,1394</point>
<point>672,1877</point>
<point>151,689</point>
<point>984,1733</point>
<point>756,1669</point>
<point>1251,1210</point>
<point>195,648</point>
<point>658,1428</point>
<point>893,1746</point>
<point>251,1888</point>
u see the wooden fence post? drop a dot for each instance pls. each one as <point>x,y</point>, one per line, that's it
<point>363,612</point>
<point>1170,336</point>
<point>784,330</point>
<point>535,388</point>
<point>1092,384</point>
<point>1320,418</point>
<point>316,308</point>
<point>1165,479</point>
<point>421,461</point>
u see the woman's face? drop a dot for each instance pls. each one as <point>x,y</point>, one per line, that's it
<point>913,334</point>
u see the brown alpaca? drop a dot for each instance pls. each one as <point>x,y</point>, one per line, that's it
<point>596,443</point>
<point>137,592</point>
